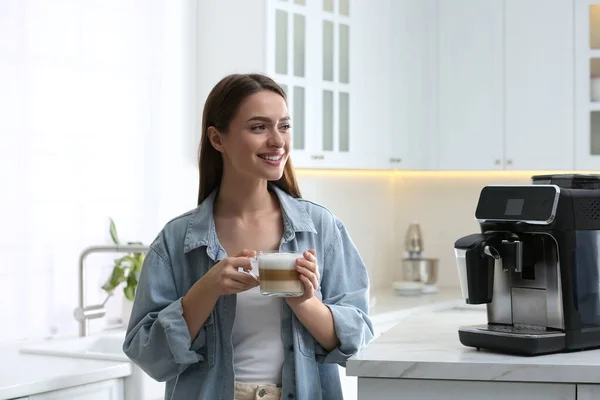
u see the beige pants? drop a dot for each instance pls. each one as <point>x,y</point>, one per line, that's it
<point>248,391</point>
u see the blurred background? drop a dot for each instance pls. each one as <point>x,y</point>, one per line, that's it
<point>402,111</point>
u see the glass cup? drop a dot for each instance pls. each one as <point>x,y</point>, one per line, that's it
<point>277,273</point>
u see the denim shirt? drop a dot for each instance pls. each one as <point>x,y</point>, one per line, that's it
<point>158,340</point>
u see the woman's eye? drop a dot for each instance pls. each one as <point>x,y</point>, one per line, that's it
<point>258,128</point>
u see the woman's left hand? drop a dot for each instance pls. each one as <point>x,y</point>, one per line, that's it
<point>308,272</point>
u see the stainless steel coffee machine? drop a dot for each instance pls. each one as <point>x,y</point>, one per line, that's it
<point>536,265</point>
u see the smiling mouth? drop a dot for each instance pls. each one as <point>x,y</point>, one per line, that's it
<point>272,158</point>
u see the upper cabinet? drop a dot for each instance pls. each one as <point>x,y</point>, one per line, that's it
<point>505,85</point>
<point>333,59</point>
<point>587,85</point>
<point>330,56</point>
<point>470,117</point>
<point>538,85</point>
<point>420,84</point>
<point>412,85</point>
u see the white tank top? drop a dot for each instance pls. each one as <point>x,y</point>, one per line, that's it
<point>256,338</point>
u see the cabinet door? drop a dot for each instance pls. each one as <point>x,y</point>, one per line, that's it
<point>470,86</point>
<point>292,51</point>
<point>413,85</point>
<point>346,131</point>
<point>539,85</point>
<point>372,109</point>
<point>107,390</point>
<point>587,85</point>
<point>388,389</point>
<point>588,392</point>
<point>313,53</point>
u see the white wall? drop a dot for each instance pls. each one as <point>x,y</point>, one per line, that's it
<point>87,88</point>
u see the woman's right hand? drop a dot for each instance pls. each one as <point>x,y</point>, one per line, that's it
<point>225,277</point>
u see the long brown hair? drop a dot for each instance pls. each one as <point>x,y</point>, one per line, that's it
<point>220,108</point>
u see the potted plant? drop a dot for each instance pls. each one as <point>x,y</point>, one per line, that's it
<point>126,270</point>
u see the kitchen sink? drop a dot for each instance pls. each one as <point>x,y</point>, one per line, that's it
<point>91,347</point>
<point>106,346</point>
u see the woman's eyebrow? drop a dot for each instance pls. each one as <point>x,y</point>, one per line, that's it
<point>266,119</point>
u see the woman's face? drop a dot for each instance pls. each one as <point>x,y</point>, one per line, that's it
<point>258,141</point>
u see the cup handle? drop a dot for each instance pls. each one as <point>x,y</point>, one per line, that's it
<point>254,270</point>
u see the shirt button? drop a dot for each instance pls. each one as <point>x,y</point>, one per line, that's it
<point>262,392</point>
<point>291,348</point>
<point>290,396</point>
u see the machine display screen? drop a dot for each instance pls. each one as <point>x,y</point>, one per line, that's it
<point>514,207</point>
<point>526,203</point>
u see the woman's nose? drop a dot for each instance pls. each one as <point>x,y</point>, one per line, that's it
<point>275,139</point>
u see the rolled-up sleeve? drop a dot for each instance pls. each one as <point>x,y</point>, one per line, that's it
<point>157,338</point>
<point>345,290</point>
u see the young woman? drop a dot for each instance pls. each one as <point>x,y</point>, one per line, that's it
<point>199,321</point>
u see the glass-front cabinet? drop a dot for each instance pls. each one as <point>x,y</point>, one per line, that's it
<point>587,88</point>
<point>309,55</point>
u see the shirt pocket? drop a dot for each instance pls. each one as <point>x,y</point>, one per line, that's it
<point>305,341</point>
<point>205,344</point>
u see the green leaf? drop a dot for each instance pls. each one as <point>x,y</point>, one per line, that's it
<point>116,278</point>
<point>129,290</point>
<point>135,243</point>
<point>130,259</point>
<point>113,232</point>
<point>137,267</point>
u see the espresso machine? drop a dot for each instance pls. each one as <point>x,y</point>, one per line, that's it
<point>536,266</point>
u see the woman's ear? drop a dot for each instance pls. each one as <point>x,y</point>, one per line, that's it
<point>214,136</point>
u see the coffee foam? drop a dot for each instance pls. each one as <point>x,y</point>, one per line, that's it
<point>278,261</point>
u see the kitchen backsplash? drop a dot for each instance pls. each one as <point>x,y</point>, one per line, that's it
<point>377,208</point>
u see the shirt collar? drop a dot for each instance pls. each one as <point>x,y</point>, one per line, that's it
<point>201,227</point>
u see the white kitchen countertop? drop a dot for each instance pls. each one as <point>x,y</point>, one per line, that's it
<point>425,345</point>
<point>26,374</point>
<point>389,304</point>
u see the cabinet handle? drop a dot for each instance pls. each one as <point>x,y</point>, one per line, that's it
<point>508,162</point>
<point>317,157</point>
<point>395,160</point>
<point>497,162</point>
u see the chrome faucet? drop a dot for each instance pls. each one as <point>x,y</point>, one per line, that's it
<point>84,313</point>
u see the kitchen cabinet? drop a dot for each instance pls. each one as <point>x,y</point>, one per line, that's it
<point>470,123</point>
<point>587,85</point>
<point>413,86</point>
<point>588,392</point>
<point>330,56</point>
<point>505,85</point>
<point>419,84</point>
<point>538,85</point>
<point>106,390</point>
<point>388,389</point>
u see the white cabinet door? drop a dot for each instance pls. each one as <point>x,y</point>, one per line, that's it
<point>539,90</point>
<point>587,85</point>
<point>588,392</point>
<point>470,96</point>
<point>372,120</point>
<point>107,390</point>
<point>329,57</point>
<point>392,389</point>
<point>413,85</point>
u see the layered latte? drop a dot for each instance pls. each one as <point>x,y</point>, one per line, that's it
<point>278,275</point>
